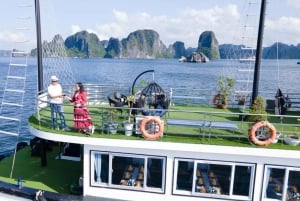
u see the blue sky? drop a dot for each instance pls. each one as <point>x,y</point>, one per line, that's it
<point>173,19</point>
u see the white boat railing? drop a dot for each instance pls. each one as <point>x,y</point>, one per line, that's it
<point>218,123</point>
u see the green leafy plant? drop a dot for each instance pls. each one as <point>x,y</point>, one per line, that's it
<point>111,125</point>
<point>292,139</point>
<point>130,101</point>
<point>225,88</point>
<point>259,107</point>
<point>112,114</point>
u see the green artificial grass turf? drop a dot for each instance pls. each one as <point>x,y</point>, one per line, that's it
<point>55,177</point>
<point>58,175</point>
<point>183,134</point>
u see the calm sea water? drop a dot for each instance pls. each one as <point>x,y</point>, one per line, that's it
<point>169,73</point>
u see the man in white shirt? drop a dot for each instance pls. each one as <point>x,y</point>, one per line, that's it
<point>56,103</point>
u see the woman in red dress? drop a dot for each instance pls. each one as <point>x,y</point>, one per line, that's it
<point>82,118</point>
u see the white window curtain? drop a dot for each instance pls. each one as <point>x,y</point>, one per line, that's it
<point>98,167</point>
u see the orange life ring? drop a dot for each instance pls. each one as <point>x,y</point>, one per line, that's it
<point>217,103</point>
<point>216,99</point>
<point>253,136</point>
<point>156,132</point>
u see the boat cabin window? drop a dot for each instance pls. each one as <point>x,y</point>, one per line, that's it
<point>282,183</point>
<point>184,175</point>
<point>137,172</point>
<point>213,179</point>
<point>101,167</point>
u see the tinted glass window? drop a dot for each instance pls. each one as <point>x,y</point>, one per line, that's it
<point>242,176</point>
<point>185,171</point>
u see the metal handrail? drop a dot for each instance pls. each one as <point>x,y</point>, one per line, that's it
<point>285,124</point>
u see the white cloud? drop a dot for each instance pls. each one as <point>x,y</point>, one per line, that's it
<point>12,36</point>
<point>186,26</point>
<point>120,16</point>
<point>278,30</point>
<point>8,41</point>
<point>227,22</point>
<point>106,31</point>
<point>75,29</point>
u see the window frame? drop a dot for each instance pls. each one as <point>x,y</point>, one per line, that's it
<point>211,195</point>
<point>110,184</point>
<point>284,186</point>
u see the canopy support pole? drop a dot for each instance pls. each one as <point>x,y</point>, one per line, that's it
<point>133,84</point>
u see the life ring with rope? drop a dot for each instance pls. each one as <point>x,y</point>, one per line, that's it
<point>255,138</point>
<point>151,128</point>
<point>218,101</point>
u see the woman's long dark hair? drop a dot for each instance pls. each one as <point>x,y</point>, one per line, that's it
<point>81,87</point>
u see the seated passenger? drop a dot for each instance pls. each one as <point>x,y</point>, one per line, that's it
<point>160,104</point>
<point>140,103</point>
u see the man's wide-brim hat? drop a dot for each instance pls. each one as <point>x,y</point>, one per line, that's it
<point>54,78</point>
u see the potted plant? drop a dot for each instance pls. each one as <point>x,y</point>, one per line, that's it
<point>128,126</point>
<point>225,88</point>
<point>111,126</point>
<point>241,100</point>
<point>292,140</point>
<point>259,108</point>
